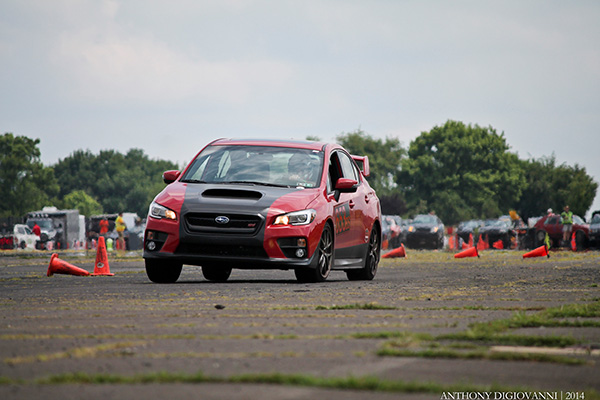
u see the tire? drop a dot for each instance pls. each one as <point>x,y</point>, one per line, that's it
<point>216,274</point>
<point>23,245</point>
<point>368,272</point>
<point>324,259</point>
<point>160,271</point>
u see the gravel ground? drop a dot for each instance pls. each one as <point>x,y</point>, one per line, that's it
<point>265,323</point>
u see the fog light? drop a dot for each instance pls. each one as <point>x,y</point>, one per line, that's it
<point>151,246</point>
<point>301,242</point>
<point>300,253</point>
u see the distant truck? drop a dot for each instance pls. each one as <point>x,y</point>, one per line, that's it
<point>22,237</point>
<point>62,228</point>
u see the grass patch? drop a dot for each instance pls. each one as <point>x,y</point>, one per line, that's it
<point>479,354</point>
<point>364,306</point>
<point>78,352</point>
<point>475,342</point>
<point>364,383</point>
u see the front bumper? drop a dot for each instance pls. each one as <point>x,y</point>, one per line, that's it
<point>421,238</point>
<point>262,248</point>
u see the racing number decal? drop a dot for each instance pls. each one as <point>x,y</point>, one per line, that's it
<point>342,218</point>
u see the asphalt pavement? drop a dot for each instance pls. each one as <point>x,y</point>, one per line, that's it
<point>427,327</point>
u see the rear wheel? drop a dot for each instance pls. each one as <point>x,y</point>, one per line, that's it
<point>368,272</point>
<point>216,274</point>
<point>163,271</point>
<point>324,260</point>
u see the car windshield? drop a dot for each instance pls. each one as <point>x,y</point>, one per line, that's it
<point>43,224</point>
<point>596,219</point>
<point>578,220</point>
<point>425,219</point>
<point>468,224</point>
<point>496,222</point>
<point>261,165</point>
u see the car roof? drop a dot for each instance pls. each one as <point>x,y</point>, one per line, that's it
<point>273,143</point>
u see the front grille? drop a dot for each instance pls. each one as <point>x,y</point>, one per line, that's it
<point>229,250</point>
<point>237,224</point>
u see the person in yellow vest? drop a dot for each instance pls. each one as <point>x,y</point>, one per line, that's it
<point>120,226</point>
<point>567,220</point>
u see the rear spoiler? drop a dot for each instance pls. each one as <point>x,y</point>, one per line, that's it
<point>363,164</point>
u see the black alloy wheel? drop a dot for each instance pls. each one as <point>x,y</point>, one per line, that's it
<point>368,272</point>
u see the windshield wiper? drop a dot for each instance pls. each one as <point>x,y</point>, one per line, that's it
<point>255,183</point>
<point>193,181</point>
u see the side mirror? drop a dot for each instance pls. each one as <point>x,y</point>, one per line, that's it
<point>345,185</point>
<point>170,176</point>
<point>363,164</point>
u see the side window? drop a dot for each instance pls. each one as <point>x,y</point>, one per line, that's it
<point>335,172</point>
<point>552,221</point>
<point>348,167</point>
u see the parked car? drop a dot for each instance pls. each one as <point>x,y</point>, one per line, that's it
<point>467,228</point>
<point>552,224</point>
<point>595,229</point>
<point>426,230</point>
<point>21,237</point>
<point>258,204</point>
<point>497,229</point>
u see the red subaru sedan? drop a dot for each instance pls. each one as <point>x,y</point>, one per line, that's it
<point>258,204</point>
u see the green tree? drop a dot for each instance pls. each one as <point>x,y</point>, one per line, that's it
<point>384,158</point>
<point>461,172</point>
<point>25,184</point>
<point>549,185</point>
<point>120,182</point>
<point>83,202</point>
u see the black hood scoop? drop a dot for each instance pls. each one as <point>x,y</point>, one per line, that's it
<point>232,194</point>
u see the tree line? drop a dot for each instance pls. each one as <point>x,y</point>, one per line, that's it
<point>464,172</point>
<point>107,182</point>
<point>459,171</point>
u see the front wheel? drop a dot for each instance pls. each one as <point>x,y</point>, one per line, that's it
<point>163,271</point>
<point>324,258</point>
<point>367,273</point>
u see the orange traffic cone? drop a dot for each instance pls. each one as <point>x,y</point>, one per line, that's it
<point>470,241</point>
<point>101,266</point>
<point>573,242</point>
<point>482,243</point>
<point>58,266</point>
<point>451,242</point>
<point>470,252</point>
<point>385,244</point>
<point>498,244</point>
<point>399,252</point>
<point>539,252</point>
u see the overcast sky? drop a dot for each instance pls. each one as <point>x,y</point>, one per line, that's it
<point>169,76</point>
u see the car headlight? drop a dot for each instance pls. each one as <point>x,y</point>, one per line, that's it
<point>434,229</point>
<point>303,217</point>
<point>160,212</point>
